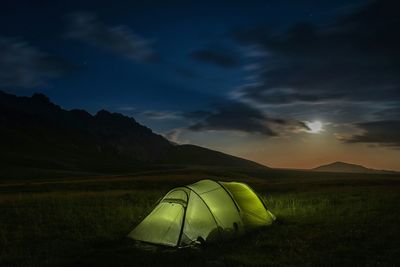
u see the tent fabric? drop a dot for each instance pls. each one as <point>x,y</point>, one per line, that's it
<point>206,211</point>
<point>253,210</point>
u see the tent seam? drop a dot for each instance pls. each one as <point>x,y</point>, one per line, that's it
<point>215,220</point>
<point>183,219</point>
<point>229,194</point>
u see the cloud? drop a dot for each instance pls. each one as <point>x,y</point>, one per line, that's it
<point>217,57</point>
<point>389,113</point>
<point>385,133</point>
<point>284,95</point>
<point>25,66</point>
<point>120,39</point>
<point>356,58</point>
<point>161,115</point>
<point>237,116</point>
<point>174,135</point>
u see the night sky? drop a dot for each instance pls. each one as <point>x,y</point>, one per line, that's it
<point>285,83</point>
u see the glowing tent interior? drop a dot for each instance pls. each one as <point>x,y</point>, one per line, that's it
<point>206,211</point>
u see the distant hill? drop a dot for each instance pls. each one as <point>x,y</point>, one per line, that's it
<point>36,133</point>
<point>195,155</point>
<point>347,167</point>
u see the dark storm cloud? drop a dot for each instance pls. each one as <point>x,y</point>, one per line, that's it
<point>285,96</point>
<point>357,58</point>
<point>24,66</point>
<point>119,39</point>
<point>236,116</point>
<point>386,133</point>
<point>224,59</point>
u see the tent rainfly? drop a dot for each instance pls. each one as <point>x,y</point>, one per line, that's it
<point>206,211</point>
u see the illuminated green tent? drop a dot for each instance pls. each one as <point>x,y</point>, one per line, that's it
<point>206,211</point>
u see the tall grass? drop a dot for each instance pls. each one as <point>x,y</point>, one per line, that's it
<point>37,225</point>
<point>313,228</point>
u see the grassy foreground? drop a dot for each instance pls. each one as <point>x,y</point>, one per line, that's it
<point>353,221</point>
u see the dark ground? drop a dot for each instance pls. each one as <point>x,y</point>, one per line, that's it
<point>323,219</point>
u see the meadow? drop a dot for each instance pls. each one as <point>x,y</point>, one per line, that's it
<point>323,219</point>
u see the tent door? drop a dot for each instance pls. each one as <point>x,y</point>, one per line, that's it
<point>162,226</point>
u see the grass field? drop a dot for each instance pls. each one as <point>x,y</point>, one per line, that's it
<point>322,220</point>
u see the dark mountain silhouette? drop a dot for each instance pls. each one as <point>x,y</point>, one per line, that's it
<point>36,133</point>
<point>193,155</point>
<point>347,167</point>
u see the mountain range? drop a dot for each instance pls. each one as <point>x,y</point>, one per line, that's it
<point>36,133</point>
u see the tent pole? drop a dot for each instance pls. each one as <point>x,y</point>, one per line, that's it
<point>215,220</point>
<point>229,194</point>
<point>183,219</point>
